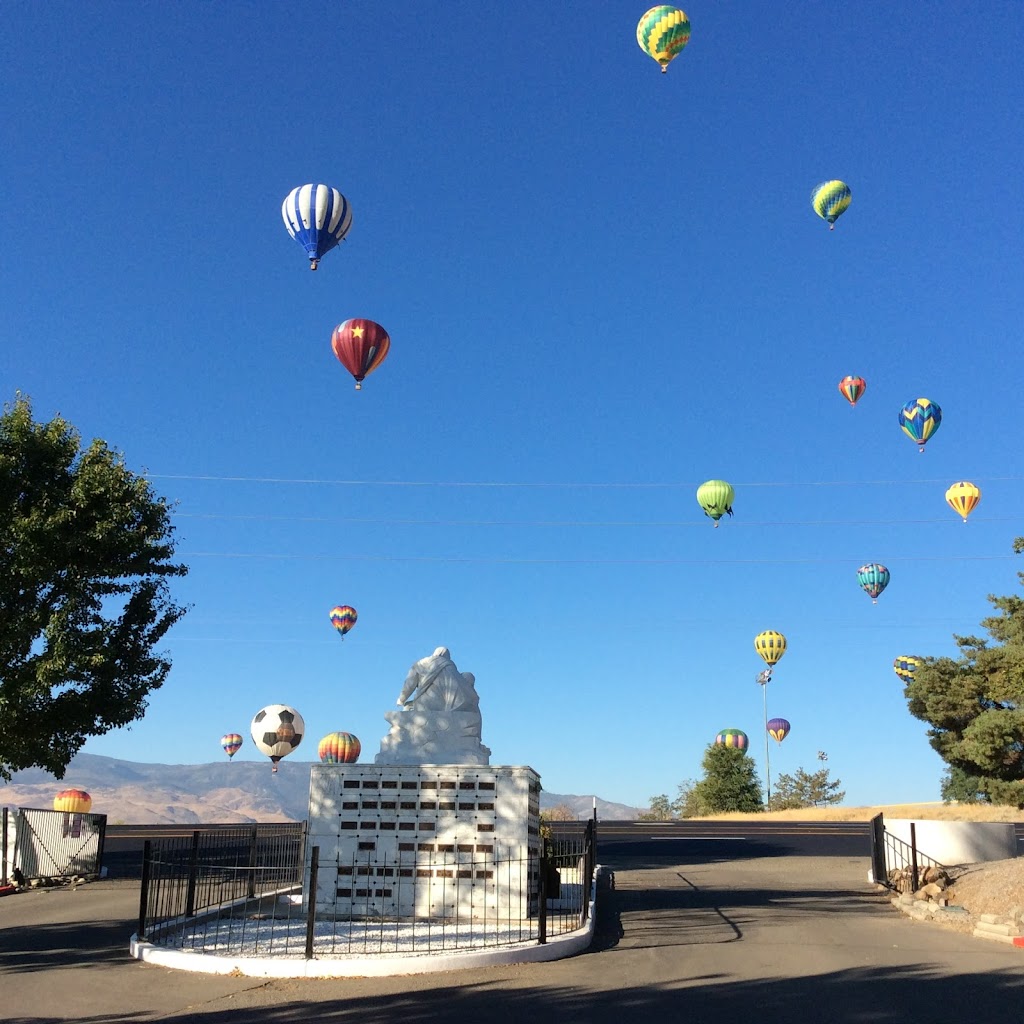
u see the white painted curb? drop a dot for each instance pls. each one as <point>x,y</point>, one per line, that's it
<point>556,948</point>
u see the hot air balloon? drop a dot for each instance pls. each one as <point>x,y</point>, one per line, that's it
<point>76,801</point>
<point>662,33</point>
<point>873,578</point>
<point>830,200</point>
<point>905,666</point>
<point>732,738</point>
<point>277,730</point>
<point>361,346</point>
<point>962,498</point>
<point>232,743</point>
<point>771,646</point>
<point>851,388</point>
<point>715,497</point>
<point>778,728</point>
<point>339,748</point>
<point>317,217</point>
<point>919,419</point>
<point>343,618</point>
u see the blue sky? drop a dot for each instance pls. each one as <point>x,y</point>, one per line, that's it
<point>603,286</point>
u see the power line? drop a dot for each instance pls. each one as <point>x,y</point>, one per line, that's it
<point>553,485</point>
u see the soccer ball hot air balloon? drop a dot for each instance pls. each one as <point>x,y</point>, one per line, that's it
<point>851,388</point>
<point>771,646</point>
<point>732,738</point>
<point>662,33</point>
<point>277,730</point>
<point>232,743</point>
<point>830,200</point>
<point>343,618</point>
<point>905,666</point>
<point>778,728</point>
<point>361,346</point>
<point>317,217</point>
<point>339,748</point>
<point>873,579</point>
<point>715,497</point>
<point>919,419</point>
<point>75,801</point>
<point>962,497</point>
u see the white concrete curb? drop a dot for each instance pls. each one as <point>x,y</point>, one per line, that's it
<point>556,948</point>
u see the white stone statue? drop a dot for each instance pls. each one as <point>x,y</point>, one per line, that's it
<point>440,718</point>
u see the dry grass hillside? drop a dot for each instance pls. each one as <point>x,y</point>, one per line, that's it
<point>922,812</point>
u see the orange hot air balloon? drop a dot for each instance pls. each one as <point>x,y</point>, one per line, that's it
<point>339,748</point>
<point>851,388</point>
<point>361,346</point>
<point>76,801</point>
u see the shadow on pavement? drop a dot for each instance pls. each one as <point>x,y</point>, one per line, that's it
<point>43,947</point>
<point>882,996</point>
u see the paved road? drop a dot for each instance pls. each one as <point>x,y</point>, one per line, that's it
<point>686,934</point>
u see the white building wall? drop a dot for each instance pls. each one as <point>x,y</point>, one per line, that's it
<point>425,841</point>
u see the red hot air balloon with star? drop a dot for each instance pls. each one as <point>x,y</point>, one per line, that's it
<point>361,346</point>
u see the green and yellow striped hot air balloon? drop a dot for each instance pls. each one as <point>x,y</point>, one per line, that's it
<point>662,33</point>
<point>830,200</point>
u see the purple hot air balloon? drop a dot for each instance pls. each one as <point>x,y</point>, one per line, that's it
<point>778,728</point>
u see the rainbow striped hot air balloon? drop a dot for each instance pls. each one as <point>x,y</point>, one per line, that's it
<point>232,743</point>
<point>905,666</point>
<point>962,498</point>
<point>339,748</point>
<point>830,200</point>
<point>75,801</point>
<point>778,728</point>
<point>343,618</point>
<point>873,579</point>
<point>662,33</point>
<point>851,388</point>
<point>732,738</point>
<point>919,419</point>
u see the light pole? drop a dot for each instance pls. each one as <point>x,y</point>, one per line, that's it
<point>763,679</point>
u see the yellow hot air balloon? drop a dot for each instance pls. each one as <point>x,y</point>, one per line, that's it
<point>963,497</point>
<point>662,33</point>
<point>770,645</point>
<point>77,801</point>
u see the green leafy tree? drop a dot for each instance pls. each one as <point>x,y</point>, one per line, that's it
<point>660,810</point>
<point>687,803</point>
<point>729,783</point>
<point>807,789</point>
<point>961,788</point>
<point>85,554</point>
<point>974,703</point>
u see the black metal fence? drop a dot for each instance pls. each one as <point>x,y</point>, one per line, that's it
<point>252,894</point>
<point>893,858</point>
<point>216,868</point>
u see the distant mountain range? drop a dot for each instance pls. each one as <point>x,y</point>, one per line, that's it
<point>132,793</point>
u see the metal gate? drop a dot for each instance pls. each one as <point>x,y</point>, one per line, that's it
<point>58,844</point>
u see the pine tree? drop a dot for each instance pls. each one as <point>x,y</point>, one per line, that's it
<point>807,789</point>
<point>730,782</point>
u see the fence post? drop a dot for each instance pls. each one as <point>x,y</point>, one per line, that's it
<point>879,863</point>
<point>3,847</point>
<point>542,896</point>
<point>193,871</point>
<point>251,891</point>
<point>147,849</point>
<point>913,856</point>
<point>314,868</point>
<point>588,869</point>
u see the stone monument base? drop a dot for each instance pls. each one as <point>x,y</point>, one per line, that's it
<point>424,841</point>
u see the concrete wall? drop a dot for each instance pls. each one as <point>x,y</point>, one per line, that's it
<point>958,842</point>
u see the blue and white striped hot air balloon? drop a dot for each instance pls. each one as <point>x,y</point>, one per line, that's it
<point>318,218</point>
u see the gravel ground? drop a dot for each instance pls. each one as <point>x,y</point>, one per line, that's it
<point>991,887</point>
